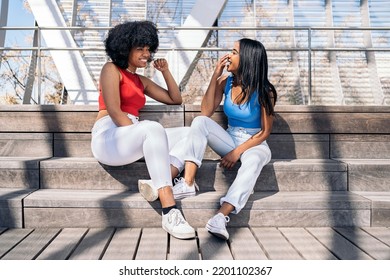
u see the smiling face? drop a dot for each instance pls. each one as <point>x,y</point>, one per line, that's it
<point>234,58</point>
<point>139,57</point>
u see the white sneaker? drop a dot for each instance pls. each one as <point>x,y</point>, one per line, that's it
<point>217,226</point>
<point>181,189</point>
<point>147,190</point>
<point>175,224</point>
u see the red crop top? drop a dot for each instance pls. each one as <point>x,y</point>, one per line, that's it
<point>131,94</point>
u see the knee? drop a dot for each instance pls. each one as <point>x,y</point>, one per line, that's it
<point>154,125</point>
<point>153,128</point>
<point>199,122</point>
<point>254,162</point>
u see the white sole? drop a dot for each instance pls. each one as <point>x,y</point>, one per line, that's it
<point>189,235</point>
<point>148,192</point>
<point>217,232</point>
<point>183,195</point>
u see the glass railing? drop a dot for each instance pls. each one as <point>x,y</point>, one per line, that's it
<point>300,51</point>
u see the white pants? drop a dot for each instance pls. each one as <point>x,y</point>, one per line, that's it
<point>204,131</point>
<point>115,146</point>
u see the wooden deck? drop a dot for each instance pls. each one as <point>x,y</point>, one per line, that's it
<point>259,243</point>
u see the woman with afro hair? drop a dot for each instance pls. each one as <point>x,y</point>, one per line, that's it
<point>119,137</point>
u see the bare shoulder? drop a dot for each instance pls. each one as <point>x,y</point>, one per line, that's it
<point>109,66</point>
<point>110,70</point>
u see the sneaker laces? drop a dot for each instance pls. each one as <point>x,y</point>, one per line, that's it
<point>181,180</point>
<point>223,220</point>
<point>175,217</point>
<point>178,180</point>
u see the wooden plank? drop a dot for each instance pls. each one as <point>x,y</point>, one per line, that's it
<point>213,248</point>
<point>153,244</point>
<point>11,238</point>
<point>180,249</point>
<point>32,245</point>
<point>372,246</point>
<point>63,245</point>
<point>381,233</point>
<point>93,244</point>
<point>244,245</point>
<point>337,244</point>
<point>275,245</point>
<point>123,245</point>
<point>306,244</point>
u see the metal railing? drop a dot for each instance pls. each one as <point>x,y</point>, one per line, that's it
<point>309,48</point>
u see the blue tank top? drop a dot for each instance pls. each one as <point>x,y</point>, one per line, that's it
<point>247,115</point>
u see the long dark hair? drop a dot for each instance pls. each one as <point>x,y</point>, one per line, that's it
<point>252,73</point>
<point>125,36</point>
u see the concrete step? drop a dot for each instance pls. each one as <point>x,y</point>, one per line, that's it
<point>278,175</point>
<point>368,175</point>
<point>11,206</point>
<point>19,172</point>
<point>115,208</point>
<point>118,208</point>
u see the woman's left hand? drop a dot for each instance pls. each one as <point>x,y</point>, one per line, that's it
<point>161,64</point>
<point>230,159</point>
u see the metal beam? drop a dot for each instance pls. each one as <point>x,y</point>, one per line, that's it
<point>3,22</point>
<point>70,64</point>
<point>203,14</point>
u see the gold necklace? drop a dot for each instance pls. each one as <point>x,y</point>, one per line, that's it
<point>128,70</point>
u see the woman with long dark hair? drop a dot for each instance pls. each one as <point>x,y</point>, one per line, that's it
<point>249,100</point>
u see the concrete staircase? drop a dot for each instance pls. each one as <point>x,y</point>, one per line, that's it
<point>330,167</point>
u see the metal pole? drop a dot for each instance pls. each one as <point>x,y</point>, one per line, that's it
<point>309,62</point>
<point>3,22</point>
<point>39,66</point>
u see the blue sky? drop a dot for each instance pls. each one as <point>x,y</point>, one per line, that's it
<point>18,16</point>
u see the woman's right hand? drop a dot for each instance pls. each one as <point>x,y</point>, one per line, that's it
<point>221,64</point>
<point>214,93</point>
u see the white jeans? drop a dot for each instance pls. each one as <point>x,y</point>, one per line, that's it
<point>204,131</point>
<point>115,146</point>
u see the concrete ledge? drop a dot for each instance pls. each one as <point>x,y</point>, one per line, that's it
<point>87,173</point>
<point>289,119</point>
<point>302,146</point>
<point>26,144</point>
<point>74,118</point>
<point>278,175</point>
<point>318,119</point>
<point>11,207</point>
<point>74,208</point>
<point>368,174</point>
<point>299,131</point>
<point>360,146</point>
<point>72,145</point>
<point>380,204</point>
<point>283,146</point>
<point>19,172</point>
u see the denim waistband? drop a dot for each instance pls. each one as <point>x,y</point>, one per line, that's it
<point>250,131</point>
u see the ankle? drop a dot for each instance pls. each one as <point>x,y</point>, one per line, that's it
<point>190,182</point>
<point>166,210</point>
